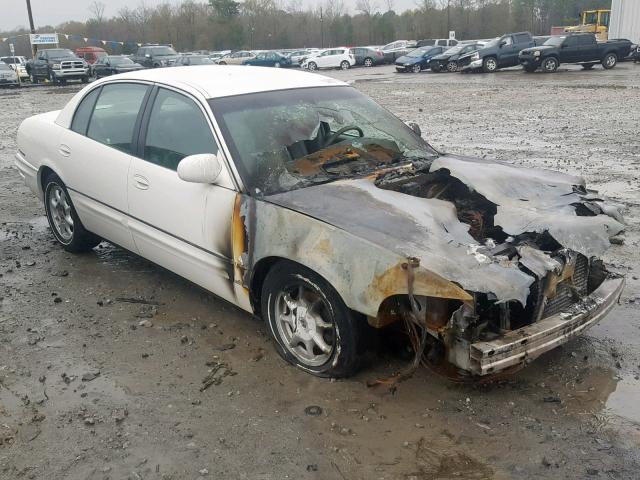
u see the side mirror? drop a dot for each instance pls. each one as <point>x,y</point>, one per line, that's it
<point>415,127</point>
<point>503,43</point>
<point>201,168</point>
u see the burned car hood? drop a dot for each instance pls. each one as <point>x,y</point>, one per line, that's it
<point>403,212</point>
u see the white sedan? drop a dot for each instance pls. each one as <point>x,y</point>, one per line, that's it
<point>299,199</point>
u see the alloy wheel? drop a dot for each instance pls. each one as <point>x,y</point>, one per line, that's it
<point>305,325</point>
<point>60,212</point>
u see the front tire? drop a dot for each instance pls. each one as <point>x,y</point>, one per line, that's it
<point>368,62</point>
<point>489,65</point>
<point>609,61</point>
<point>276,65</point>
<point>312,66</point>
<point>312,327</point>
<point>550,65</point>
<point>452,66</point>
<point>63,219</point>
<point>416,68</point>
<point>529,69</point>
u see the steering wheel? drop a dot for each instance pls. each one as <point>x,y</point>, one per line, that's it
<point>332,138</point>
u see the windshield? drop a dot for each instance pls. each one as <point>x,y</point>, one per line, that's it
<point>493,43</point>
<point>11,60</point>
<point>61,54</point>
<point>120,61</point>
<point>285,140</point>
<point>163,51</point>
<point>555,41</point>
<point>454,50</point>
<point>418,52</point>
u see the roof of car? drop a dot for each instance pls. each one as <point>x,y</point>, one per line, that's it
<point>227,80</point>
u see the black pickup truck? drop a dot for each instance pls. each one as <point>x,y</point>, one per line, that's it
<point>580,48</point>
<point>57,65</point>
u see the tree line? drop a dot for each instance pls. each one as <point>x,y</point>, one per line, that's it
<point>273,24</point>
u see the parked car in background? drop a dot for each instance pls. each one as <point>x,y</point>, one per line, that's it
<point>218,55</point>
<point>17,64</point>
<point>448,60</point>
<point>341,57</point>
<point>8,76</point>
<point>298,56</point>
<point>90,54</point>
<point>368,56</point>
<point>310,205</point>
<point>236,58</point>
<point>500,53</point>
<point>636,54</point>
<point>439,42</point>
<point>394,50</point>
<point>540,39</point>
<point>155,56</point>
<point>57,65</point>
<point>269,59</point>
<point>580,48</point>
<point>194,59</point>
<point>418,59</point>
<point>113,64</point>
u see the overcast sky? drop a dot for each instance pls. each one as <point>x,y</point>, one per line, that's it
<point>13,13</point>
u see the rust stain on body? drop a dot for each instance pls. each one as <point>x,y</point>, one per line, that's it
<point>394,281</point>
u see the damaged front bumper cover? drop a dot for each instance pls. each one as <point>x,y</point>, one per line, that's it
<point>521,346</point>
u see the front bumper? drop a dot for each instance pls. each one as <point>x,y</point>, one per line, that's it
<point>67,73</point>
<point>530,61</point>
<point>9,81</point>
<point>519,347</point>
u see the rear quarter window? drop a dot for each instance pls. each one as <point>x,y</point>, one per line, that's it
<point>83,112</point>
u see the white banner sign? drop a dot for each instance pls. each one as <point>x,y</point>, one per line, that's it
<point>44,38</point>
<point>452,34</point>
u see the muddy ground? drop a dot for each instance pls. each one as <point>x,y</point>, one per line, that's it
<point>86,392</point>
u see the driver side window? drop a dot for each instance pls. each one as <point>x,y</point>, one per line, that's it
<point>177,128</point>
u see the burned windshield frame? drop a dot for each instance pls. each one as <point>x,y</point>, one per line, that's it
<point>411,147</point>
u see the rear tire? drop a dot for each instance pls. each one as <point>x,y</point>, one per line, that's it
<point>344,65</point>
<point>609,61</point>
<point>529,69</point>
<point>312,327</point>
<point>63,219</point>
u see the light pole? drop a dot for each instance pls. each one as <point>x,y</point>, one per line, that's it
<point>34,48</point>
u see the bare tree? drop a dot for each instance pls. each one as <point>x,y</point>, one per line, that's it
<point>96,9</point>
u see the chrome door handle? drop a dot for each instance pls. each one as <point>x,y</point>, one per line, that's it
<point>64,150</point>
<point>140,182</point>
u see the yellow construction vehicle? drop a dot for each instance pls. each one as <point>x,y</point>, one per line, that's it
<point>593,21</point>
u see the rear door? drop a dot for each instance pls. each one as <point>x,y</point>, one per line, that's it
<point>185,227</point>
<point>96,152</point>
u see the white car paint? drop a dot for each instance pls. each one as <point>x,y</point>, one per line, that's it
<point>329,58</point>
<point>141,206</point>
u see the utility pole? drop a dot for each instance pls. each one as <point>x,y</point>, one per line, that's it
<point>321,29</point>
<point>34,48</point>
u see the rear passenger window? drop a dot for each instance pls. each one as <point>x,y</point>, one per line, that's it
<point>585,40</point>
<point>83,112</point>
<point>115,114</point>
<point>177,128</point>
<point>523,38</point>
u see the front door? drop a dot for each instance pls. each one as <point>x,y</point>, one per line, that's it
<point>97,150</point>
<point>185,227</point>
